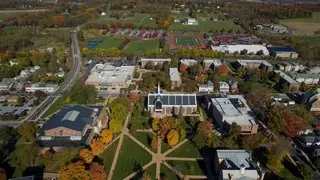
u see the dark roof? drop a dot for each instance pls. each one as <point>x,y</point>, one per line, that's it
<point>173,99</point>
<point>73,117</point>
<point>307,138</point>
<point>282,49</point>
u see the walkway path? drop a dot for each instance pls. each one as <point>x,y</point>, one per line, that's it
<point>174,170</point>
<point>145,130</point>
<point>115,159</point>
<point>182,159</point>
<point>139,143</point>
<point>135,173</point>
<point>175,147</point>
<point>158,165</point>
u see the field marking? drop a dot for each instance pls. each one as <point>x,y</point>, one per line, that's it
<point>143,20</point>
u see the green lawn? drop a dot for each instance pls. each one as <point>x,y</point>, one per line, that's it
<point>314,40</point>
<point>138,121</point>
<point>315,19</point>
<point>165,171</point>
<point>152,171</point>
<point>110,42</point>
<point>189,167</point>
<point>145,138</point>
<point>187,150</point>
<point>108,156</point>
<point>140,46</point>
<point>56,106</point>
<point>164,147</point>
<point>186,40</point>
<point>131,158</point>
<point>205,26</point>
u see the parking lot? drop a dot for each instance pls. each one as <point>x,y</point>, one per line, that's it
<point>135,33</point>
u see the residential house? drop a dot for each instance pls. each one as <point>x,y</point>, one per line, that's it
<point>168,104</point>
<point>188,62</point>
<point>288,81</point>
<point>230,109</point>
<point>25,73</point>
<point>233,84</point>
<point>208,87</point>
<point>224,87</point>
<point>281,99</point>
<point>211,63</point>
<point>6,84</point>
<point>47,88</point>
<point>308,139</point>
<point>312,99</point>
<point>110,78</point>
<point>71,126</point>
<point>306,78</point>
<point>235,164</point>
<point>175,78</point>
<point>283,52</point>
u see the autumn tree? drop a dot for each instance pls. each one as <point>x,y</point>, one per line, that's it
<point>53,64</point>
<point>106,136</point>
<point>222,70</point>
<point>3,175</point>
<point>154,143</point>
<point>86,155</point>
<point>145,176</point>
<point>97,146</point>
<point>75,171</point>
<point>155,124</point>
<point>28,130</point>
<point>183,68</point>
<point>97,172</point>
<point>293,124</point>
<point>276,154</point>
<point>164,127</point>
<point>205,127</point>
<point>173,137</point>
<point>182,133</point>
<point>134,96</point>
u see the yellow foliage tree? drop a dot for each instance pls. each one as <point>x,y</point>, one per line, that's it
<point>75,171</point>
<point>86,155</point>
<point>173,137</point>
<point>106,136</point>
<point>97,146</point>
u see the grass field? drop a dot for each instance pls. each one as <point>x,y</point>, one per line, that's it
<point>152,171</point>
<point>110,42</point>
<point>165,171</point>
<point>186,41</point>
<point>314,41</point>
<point>145,138</point>
<point>205,26</point>
<point>131,158</point>
<point>108,156</point>
<point>139,46</point>
<point>164,147</point>
<point>138,121</point>
<point>138,19</point>
<point>186,150</point>
<point>57,105</point>
<point>304,26</point>
<point>189,167</point>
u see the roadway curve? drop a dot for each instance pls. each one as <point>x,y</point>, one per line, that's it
<point>34,116</point>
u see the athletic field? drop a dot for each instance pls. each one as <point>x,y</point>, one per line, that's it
<point>186,41</point>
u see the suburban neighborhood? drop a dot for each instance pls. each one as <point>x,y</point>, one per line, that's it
<point>159,90</point>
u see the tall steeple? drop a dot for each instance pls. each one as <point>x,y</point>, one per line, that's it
<point>159,92</point>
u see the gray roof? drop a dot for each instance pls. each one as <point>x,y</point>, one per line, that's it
<point>74,117</point>
<point>173,99</point>
<point>286,77</point>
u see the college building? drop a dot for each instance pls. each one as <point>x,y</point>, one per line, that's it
<point>154,61</point>
<point>109,77</point>
<point>229,109</point>
<point>169,104</point>
<point>254,64</point>
<point>283,52</point>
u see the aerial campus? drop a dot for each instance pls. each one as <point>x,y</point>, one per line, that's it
<point>159,90</point>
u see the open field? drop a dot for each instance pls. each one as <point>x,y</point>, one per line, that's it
<point>189,167</point>
<point>138,19</point>
<point>131,158</point>
<point>314,41</point>
<point>110,42</point>
<point>165,171</point>
<point>187,150</point>
<point>186,41</point>
<point>22,11</point>
<point>304,26</point>
<point>205,26</point>
<point>108,156</point>
<point>315,19</point>
<point>177,41</point>
<point>140,46</point>
<point>57,105</point>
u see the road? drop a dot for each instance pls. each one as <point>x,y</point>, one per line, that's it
<point>34,116</point>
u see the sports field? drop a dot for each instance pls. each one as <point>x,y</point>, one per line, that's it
<point>205,26</point>
<point>303,26</point>
<point>107,42</point>
<point>138,19</point>
<point>140,46</point>
<point>186,41</point>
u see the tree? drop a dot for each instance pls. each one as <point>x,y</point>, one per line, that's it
<point>173,137</point>
<point>86,155</point>
<point>293,124</point>
<point>183,68</point>
<point>154,143</point>
<point>145,176</point>
<point>182,133</point>
<point>244,52</point>
<point>213,140</point>
<point>115,126</point>
<point>53,64</point>
<point>28,130</point>
<point>81,94</point>
<point>97,172</point>
<point>106,136</point>
<point>39,94</point>
<point>194,70</point>
<point>155,124</point>
<point>68,100</point>
<point>7,134</point>
<point>164,127</point>
<point>53,161</point>
<point>75,171</point>
<point>97,146</point>
<point>3,175</point>
<point>205,127</point>
<point>200,140</point>
<point>275,156</point>
<point>260,53</point>
<point>192,121</point>
<point>223,70</point>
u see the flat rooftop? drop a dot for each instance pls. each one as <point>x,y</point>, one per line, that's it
<point>155,59</point>
<point>286,77</point>
<point>246,62</point>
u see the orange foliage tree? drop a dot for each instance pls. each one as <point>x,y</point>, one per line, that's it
<point>3,175</point>
<point>293,124</point>
<point>223,70</point>
<point>163,128</point>
<point>134,96</point>
<point>183,68</point>
<point>97,172</point>
<point>173,137</point>
<point>106,136</point>
<point>74,171</point>
<point>205,127</point>
<point>86,155</point>
<point>97,146</point>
